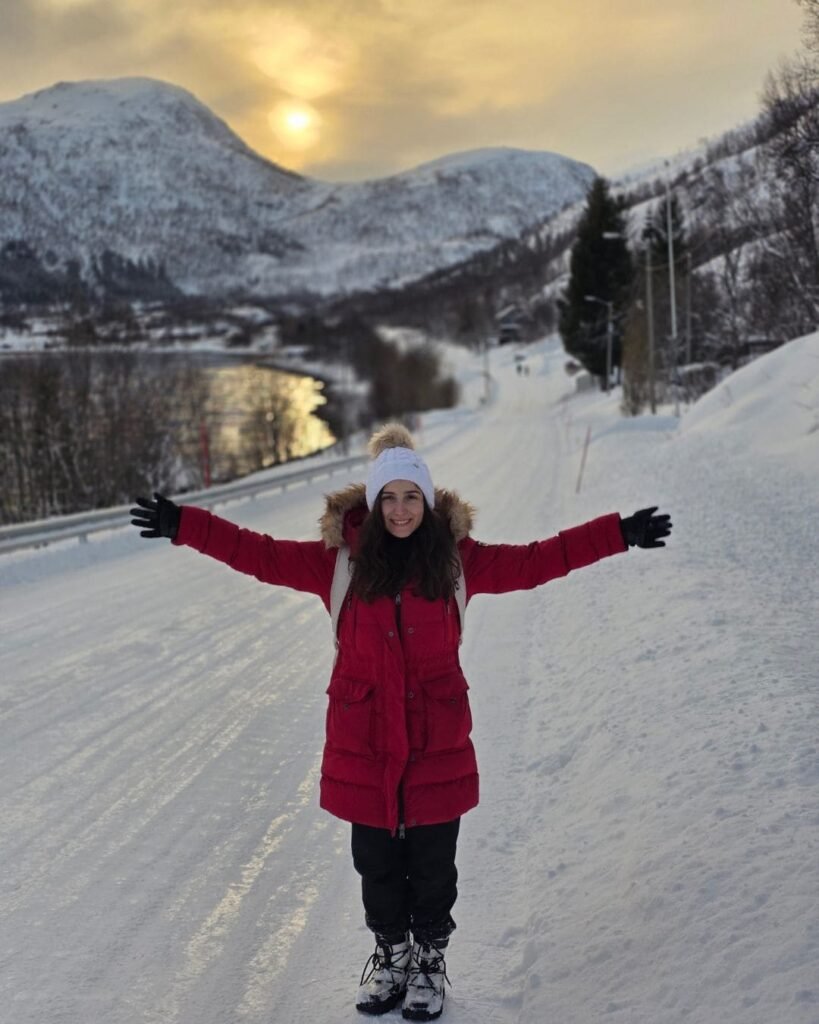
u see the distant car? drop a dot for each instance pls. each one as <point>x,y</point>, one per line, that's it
<point>509,334</point>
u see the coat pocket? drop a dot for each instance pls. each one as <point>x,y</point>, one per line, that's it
<point>350,716</point>
<point>447,712</point>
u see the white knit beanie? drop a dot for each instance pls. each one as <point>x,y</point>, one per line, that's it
<point>394,458</point>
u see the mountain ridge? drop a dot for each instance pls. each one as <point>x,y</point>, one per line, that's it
<point>144,169</point>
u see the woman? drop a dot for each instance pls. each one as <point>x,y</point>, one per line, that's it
<point>398,761</point>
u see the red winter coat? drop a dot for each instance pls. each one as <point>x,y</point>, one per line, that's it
<point>397,745</point>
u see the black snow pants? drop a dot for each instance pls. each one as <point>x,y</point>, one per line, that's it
<point>410,883</point>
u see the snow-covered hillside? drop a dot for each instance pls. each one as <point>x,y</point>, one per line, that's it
<point>647,844</point>
<point>731,159</point>
<point>144,169</point>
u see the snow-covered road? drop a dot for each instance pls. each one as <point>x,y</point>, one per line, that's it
<point>647,844</point>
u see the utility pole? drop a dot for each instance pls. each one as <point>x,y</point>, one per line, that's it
<point>671,282</point>
<point>688,307</point>
<point>672,286</point>
<point>650,313</point>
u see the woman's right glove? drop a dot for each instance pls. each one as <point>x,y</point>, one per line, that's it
<point>158,518</point>
<point>644,529</point>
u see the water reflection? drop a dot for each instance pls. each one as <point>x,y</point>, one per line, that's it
<point>89,428</point>
<point>257,416</point>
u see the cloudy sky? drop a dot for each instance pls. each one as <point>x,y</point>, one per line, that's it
<point>351,89</point>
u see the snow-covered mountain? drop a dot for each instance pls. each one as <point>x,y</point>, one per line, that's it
<point>145,170</point>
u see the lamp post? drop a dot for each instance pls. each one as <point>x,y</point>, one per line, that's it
<point>609,332</point>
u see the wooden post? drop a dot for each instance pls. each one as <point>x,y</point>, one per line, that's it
<point>583,460</point>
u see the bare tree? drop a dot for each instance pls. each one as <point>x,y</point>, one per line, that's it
<point>725,197</point>
<point>81,430</point>
<point>636,383</point>
<point>811,33</point>
<point>790,162</point>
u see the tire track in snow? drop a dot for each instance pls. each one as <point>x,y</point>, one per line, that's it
<point>505,630</point>
<point>207,944</point>
<point>112,797</point>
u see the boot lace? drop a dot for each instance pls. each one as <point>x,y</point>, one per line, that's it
<point>427,964</point>
<point>380,960</point>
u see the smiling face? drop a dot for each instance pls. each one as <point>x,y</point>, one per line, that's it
<point>402,507</point>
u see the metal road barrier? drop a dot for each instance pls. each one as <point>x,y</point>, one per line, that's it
<point>81,525</point>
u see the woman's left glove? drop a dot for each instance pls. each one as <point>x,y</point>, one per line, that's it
<point>158,518</point>
<point>644,529</point>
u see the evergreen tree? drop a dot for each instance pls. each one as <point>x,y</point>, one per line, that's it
<point>600,266</point>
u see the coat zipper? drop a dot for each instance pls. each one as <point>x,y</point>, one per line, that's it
<point>401,829</point>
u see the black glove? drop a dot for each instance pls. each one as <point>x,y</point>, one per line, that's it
<point>158,518</point>
<point>645,529</point>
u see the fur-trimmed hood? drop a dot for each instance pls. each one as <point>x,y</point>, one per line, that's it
<point>347,508</point>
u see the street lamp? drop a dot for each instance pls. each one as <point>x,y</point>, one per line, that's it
<point>609,332</point>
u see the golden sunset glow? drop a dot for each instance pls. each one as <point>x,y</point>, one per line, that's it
<point>349,91</point>
<point>300,59</point>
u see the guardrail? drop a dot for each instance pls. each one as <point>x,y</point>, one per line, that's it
<point>82,524</point>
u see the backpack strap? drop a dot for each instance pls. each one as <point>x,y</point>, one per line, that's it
<point>341,584</point>
<point>460,596</point>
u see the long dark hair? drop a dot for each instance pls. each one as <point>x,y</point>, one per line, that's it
<point>384,564</point>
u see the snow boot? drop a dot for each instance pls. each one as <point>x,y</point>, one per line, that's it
<point>425,983</point>
<point>383,986</point>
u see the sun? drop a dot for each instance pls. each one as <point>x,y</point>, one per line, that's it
<point>296,124</point>
<point>298,120</point>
